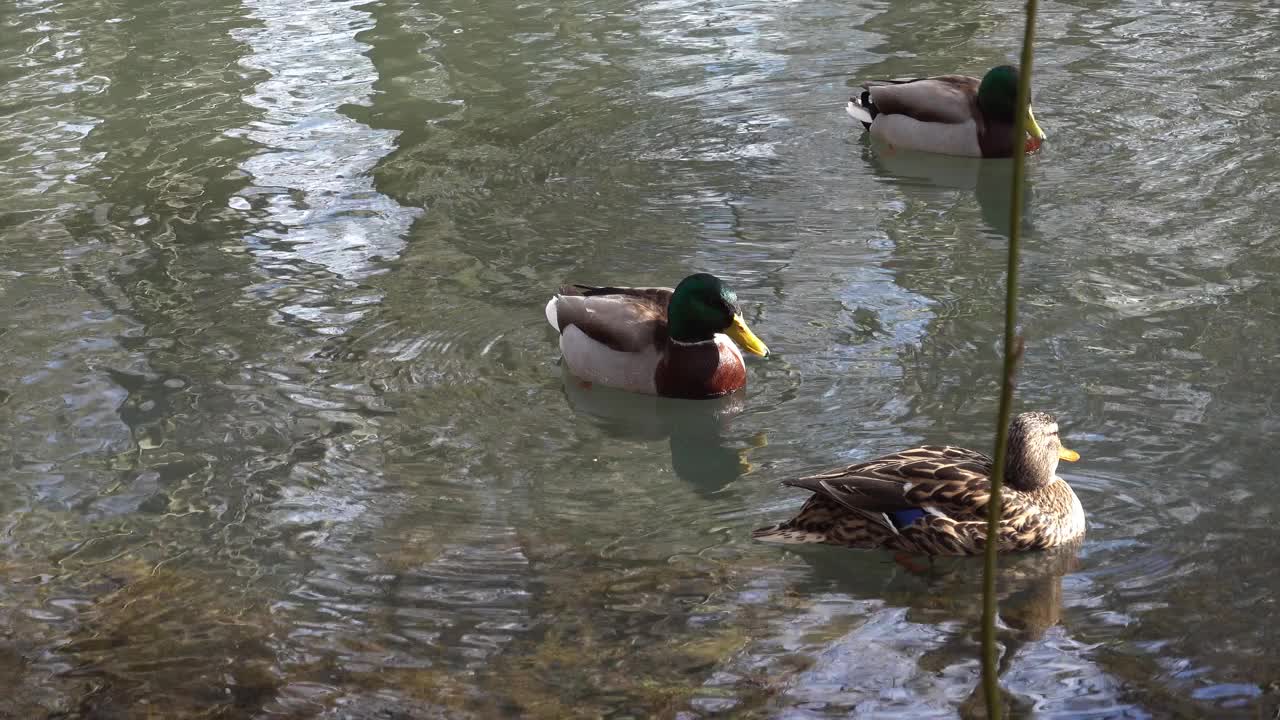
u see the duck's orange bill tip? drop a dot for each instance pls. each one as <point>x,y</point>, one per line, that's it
<point>1068,455</point>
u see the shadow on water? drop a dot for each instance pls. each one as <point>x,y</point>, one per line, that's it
<point>703,454</point>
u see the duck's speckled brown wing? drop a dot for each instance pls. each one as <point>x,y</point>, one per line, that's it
<point>952,479</point>
<point>623,319</point>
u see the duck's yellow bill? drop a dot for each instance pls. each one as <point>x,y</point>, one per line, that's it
<point>746,339</point>
<point>1033,127</point>
<point>1068,455</point>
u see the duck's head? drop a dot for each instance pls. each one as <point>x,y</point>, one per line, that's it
<point>998,97</point>
<point>1034,451</point>
<point>701,306</point>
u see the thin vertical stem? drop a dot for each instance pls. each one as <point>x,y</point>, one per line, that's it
<point>1012,353</point>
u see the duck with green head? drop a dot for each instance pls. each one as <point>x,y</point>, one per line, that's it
<point>932,500</point>
<point>675,343</point>
<point>946,114</point>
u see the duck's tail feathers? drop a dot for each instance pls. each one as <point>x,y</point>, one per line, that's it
<point>553,314</point>
<point>862,109</point>
<point>787,534</point>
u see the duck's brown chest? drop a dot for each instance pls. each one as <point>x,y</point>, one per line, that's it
<point>700,370</point>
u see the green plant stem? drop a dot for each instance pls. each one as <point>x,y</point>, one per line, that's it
<point>1012,353</point>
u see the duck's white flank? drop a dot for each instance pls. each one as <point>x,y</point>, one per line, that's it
<point>943,138</point>
<point>598,363</point>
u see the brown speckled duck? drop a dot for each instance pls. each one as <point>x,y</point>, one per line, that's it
<point>674,343</point>
<point>932,500</point>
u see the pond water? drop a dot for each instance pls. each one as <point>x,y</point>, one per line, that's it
<point>286,435</point>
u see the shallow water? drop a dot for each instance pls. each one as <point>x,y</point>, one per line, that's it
<point>287,436</point>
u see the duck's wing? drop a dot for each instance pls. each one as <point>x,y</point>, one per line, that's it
<point>623,319</point>
<point>660,296</point>
<point>948,99</point>
<point>946,479</point>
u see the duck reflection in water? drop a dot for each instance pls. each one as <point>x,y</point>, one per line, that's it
<point>917,173</point>
<point>942,592</point>
<point>696,430</point>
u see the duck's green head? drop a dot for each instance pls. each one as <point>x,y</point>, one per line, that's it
<point>701,306</point>
<point>998,97</point>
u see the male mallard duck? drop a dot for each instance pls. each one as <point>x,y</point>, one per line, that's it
<point>933,500</point>
<point>660,341</point>
<point>947,114</point>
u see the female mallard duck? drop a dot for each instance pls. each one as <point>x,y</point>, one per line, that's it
<point>947,114</point>
<point>933,500</point>
<point>660,341</point>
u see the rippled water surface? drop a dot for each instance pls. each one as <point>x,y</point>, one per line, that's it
<point>285,435</point>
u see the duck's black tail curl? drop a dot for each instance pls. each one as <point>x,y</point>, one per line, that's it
<point>862,109</point>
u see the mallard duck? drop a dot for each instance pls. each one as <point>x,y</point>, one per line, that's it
<point>675,343</point>
<point>932,500</point>
<point>947,114</point>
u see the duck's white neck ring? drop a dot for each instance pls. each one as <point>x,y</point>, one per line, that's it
<point>682,343</point>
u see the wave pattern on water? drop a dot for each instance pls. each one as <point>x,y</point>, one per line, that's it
<point>289,435</point>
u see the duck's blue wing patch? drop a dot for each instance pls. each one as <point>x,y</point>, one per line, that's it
<point>903,518</point>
